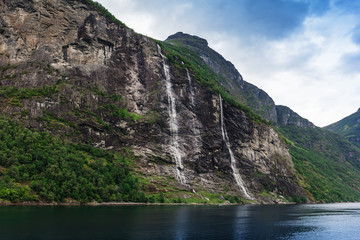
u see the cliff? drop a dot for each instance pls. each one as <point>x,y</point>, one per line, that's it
<point>232,81</point>
<point>67,68</point>
<point>287,118</point>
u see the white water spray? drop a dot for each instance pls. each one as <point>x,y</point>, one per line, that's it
<point>235,171</point>
<point>173,123</point>
<point>194,124</point>
<point>190,87</point>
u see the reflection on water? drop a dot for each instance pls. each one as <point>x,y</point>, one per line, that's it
<point>181,219</point>
<point>326,221</point>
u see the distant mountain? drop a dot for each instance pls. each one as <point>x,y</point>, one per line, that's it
<point>348,127</point>
<point>327,164</point>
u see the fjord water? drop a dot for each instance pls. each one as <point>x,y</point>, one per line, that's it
<point>326,221</point>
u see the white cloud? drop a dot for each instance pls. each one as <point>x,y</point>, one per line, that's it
<point>304,70</point>
<point>324,92</point>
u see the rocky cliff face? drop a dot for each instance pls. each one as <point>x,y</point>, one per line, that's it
<point>66,68</point>
<point>288,118</point>
<point>257,99</point>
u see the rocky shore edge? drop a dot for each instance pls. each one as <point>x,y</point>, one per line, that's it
<point>6,203</point>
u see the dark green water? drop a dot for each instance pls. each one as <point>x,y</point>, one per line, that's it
<point>328,221</point>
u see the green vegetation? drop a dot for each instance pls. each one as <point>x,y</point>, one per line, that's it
<point>36,166</point>
<point>7,67</point>
<point>122,113</point>
<point>24,93</point>
<point>105,12</point>
<point>113,97</point>
<point>298,199</point>
<point>51,118</point>
<point>326,164</point>
<point>14,94</point>
<point>348,127</point>
<point>204,75</point>
<point>202,197</point>
<point>166,189</point>
<point>152,117</point>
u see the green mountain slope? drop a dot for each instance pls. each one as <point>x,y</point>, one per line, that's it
<point>327,163</point>
<point>348,127</point>
<point>231,80</point>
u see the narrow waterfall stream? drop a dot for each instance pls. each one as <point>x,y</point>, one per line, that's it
<point>190,87</point>
<point>173,123</point>
<point>235,171</point>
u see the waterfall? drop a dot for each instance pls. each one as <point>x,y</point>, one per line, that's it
<point>190,87</point>
<point>194,124</point>
<point>173,123</point>
<point>235,171</point>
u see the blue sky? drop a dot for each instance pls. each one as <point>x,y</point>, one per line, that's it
<point>304,53</point>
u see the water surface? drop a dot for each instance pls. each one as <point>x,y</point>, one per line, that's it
<point>325,221</point>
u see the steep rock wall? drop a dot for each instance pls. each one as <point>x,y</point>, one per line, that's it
<point>68,69</point>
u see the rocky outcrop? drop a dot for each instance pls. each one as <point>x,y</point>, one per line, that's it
<point>287,117</point>
<point>66,68</point>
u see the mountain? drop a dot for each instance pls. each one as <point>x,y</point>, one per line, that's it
<point>93,111</point>
<point>326,164</point>
<point>234,84</point>
<point>70,71</point>
<point>287,117</point>
<point>231,80</point>
<point>348,127</point>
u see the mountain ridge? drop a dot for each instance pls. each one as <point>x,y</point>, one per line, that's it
<point>232,81</point>
<point>306,142</point>
<point>89,80</point>
<point>349,127</point>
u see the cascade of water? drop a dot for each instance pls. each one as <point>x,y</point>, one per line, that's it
<point>194,124</point>
<point>190,87</point>
<point>173,123</point>
<point>235,171</point>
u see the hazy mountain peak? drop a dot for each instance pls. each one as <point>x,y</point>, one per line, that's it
<point>188,39</point>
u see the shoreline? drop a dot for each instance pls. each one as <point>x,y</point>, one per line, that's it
<point>95,204</point>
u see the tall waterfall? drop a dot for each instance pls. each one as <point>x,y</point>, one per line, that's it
<point>173,123</point>
<point>190,87</point>
<point>194,123</point>
<point>235,171</point>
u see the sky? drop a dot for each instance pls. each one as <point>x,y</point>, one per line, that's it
<point>304,53</point>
